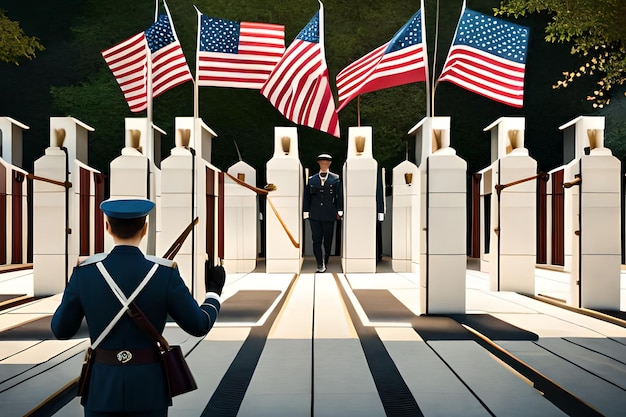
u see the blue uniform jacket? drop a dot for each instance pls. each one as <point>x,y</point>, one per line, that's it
<point>323,202</point>
<point>134,387</point>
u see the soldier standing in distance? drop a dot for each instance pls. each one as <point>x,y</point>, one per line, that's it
<point>323,205</point>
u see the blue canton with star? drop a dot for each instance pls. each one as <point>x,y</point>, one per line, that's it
<point>494,36</point>
<point>219,35</point>
<point>159,34</point>
<point>409,35</point>
<point>311,32</point>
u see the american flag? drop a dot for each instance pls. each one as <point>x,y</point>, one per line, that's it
<point>299,87</point>
<point>128,62</point>
<point>488,57</point>
<point>237,54</point>
<point>399,61</point>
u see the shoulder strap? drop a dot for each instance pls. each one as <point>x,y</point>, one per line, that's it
<point>144,324</point>
<point>121,297</point>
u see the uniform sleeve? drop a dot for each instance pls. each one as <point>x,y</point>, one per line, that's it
<point>306,200</point>
<point>69,315</point>
<point>195,320</point>
<point>339,195</point>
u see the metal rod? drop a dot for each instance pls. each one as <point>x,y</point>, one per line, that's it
<point>576,181</point>
<point>541,175</point>
<point>65,184</point>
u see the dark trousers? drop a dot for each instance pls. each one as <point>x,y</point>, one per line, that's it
<point>322,232</point>
<point>151,413</point>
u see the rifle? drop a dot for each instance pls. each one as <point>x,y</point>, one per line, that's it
<point>178,243</point>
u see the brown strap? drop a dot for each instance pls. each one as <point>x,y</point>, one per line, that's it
<point>143,323</point>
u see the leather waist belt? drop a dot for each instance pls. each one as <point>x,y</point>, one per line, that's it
<point>126,356</point>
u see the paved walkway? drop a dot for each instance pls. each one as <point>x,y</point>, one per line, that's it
<point>338,344</point>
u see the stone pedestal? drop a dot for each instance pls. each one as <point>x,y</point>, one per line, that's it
<point>592,207</point>
<point>429,134</point>
<point>513,209</point>
<point>135,175</point>
<point>285,171</point>
<point>240,220</point>
<point>56,213</point>
<point>406,220</point>
<point>443,225</point>
<point>360,208</point>
<point>183,197</point>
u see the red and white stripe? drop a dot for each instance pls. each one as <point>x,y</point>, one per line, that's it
<point>485,74</point>
<point>169,68</point>
<point>261,46</point>
<point>128,63</point>
<point>299,88</point>
<point>377,70</point>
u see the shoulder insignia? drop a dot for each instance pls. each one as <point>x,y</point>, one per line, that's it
<point>92,259</point>
<point>161,261</point>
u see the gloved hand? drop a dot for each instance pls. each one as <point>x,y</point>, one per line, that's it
<point>305,215</point>
<point>214,277</point>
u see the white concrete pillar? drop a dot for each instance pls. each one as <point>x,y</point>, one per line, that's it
<point>406,220</point>
<point>443,223</point>
<point>135,175</point>
<point>513,209</point>
<point>592,200</point>
<point>240,220</point>
<point>360,211</point>
<point>55,208</point>
<point>285,171</point>
<point>183,189</point>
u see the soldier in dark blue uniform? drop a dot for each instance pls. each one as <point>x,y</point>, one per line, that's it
<point>323,205</point>
<point>135,387</point>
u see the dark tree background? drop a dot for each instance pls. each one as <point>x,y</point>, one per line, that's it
<point>71,78</point>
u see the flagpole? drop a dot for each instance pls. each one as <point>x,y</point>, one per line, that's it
<point>358,110</point>
<point>322,47</point>
<point>434,86</point>
<point>149,132</point>
<point>196,90</point>
<point>197,136</point>
<point>428,97</point>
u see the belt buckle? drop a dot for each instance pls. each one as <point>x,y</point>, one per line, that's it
<point>124,356</point>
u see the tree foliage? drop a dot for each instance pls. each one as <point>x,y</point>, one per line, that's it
<point>595,28</point>
<point>14,43</point>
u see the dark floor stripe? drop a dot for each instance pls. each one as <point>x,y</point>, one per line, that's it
<point>247,306</point>
<point>7,297</point>
<point>494,328</point>
<point>38,329</point>
<point>227,398</point>
<point>394,394</point>
<point>383,306</point>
